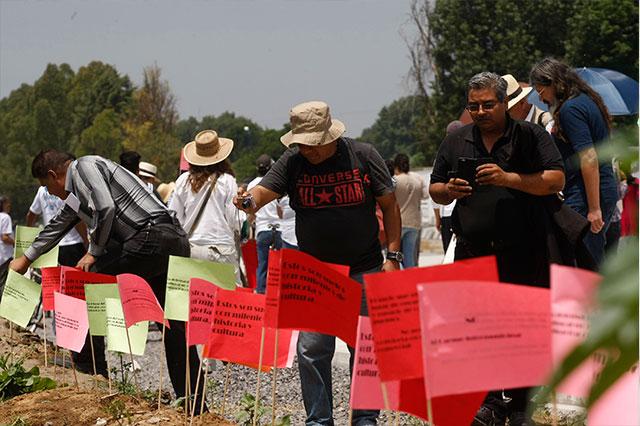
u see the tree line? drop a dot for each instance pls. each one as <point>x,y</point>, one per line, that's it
<point>97,110</point>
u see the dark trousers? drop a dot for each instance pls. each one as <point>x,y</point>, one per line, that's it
<point>446,231</point>
<point>147,255</point>
<point>70,255</point>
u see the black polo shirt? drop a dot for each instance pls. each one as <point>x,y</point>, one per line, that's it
<point>491,212</point>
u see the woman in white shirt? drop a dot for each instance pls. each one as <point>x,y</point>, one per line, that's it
<point>203,197</point>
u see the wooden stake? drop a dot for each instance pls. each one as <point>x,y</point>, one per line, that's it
<point>164,327</point>
<point>273,384</point>
<point>554,413</point>
<point>11,341</point>
<point>44,326</point>
<point>187,380</point>
<point>204,385</point>
<point>385,396</point>
<point>108,369</point>
<point>93,360</point>
<point>133,367</point>
<point>55,363</point>
<point>429,411</point>
<point>75,377</point>
<point>257,400</point>
<point>396,418</point>
<point>195,395</point>
<point>350,417</point>
<point>227,376</point>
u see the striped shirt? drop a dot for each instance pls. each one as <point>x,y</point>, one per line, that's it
<point>114,203</point>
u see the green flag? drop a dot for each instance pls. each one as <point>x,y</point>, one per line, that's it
<point>117,333</point>
<point>24,237</point>
<point>95,294</point>
<point>181,269</point>
<point>20,298</point>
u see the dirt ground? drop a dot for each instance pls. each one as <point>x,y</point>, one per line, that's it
<point>90,404</point>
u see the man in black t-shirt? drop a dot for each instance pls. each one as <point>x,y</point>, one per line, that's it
<point>333,185</point>
<point>516,164</point>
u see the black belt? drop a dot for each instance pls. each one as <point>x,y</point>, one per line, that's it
<point>165,218</point>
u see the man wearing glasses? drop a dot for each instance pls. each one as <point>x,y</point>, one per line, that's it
<point>499,170</point>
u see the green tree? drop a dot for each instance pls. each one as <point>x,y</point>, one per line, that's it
<point>398,129</point>
<point>104,137</point>
<point>459,38</point>
<point>96,87</point>
<point>604,33</point>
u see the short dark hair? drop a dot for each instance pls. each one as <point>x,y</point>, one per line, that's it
<point>489,80</point>
<point>49,159</point>
<point>401,162</point>
<point>3,201</point>
<point>130,160</point>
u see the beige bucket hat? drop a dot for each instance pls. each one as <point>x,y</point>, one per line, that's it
<point>207,149</point>
<point>311,124</point>
<point>515,93</point>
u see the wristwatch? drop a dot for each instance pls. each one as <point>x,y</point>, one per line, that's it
<point>395,255</point>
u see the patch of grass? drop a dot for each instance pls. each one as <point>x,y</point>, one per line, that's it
<point>15,380</point>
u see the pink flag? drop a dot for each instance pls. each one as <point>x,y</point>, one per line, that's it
<point>405,395</point>
<point>50,283</point>
<point>236,331</point>
<point>72,321</point>
<point>313,296</point>
<point>366,389</point>
<point>572,295</point>
<point>202,295</point>
<point>72,281</point>
<point>138,301</point>
<point>392,298</point>
<point>480,336</point>
<point>619,405</point>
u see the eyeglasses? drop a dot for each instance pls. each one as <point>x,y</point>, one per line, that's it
<point>486,106</point>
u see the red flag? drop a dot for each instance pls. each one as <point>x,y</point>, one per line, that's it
<point>50,283</point>
<point>202,295</point>
<point>72,281</point>
<point>313,296</point>
<point>139,303</point>
<point>392,298</point>
<point>250,258</point>
<point>236,331</point>
<point>451,410</point>
<point>272,303</point>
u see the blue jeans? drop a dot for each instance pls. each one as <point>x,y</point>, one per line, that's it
<point>315,352</point>
<point>595,243</point>
<point>409,243</point>
<point>264,240</point>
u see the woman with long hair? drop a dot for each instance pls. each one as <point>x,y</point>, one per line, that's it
<point>203,197</point>
<point>582,126</point>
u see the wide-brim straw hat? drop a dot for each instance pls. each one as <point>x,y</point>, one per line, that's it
<point>515,93</point>
<point>207,149</point>
<point>311,124</point>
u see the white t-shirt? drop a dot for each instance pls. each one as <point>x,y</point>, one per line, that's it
<point>220,218</point>
<point>6,227</point>
<point>288,227</point>
<point>268,214</point>
<point>48,205</point>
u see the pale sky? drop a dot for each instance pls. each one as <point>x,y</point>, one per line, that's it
<point>255,58</point>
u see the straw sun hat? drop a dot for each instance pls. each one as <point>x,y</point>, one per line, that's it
<point>311,124</point>
<point>515,93</point>
<point>207,149</point>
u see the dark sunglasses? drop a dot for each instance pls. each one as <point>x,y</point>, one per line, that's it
<point>486,106</point>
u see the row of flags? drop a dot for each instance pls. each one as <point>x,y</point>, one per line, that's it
<point>435,341</point>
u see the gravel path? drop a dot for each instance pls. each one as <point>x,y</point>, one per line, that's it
<point>242,380</point>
